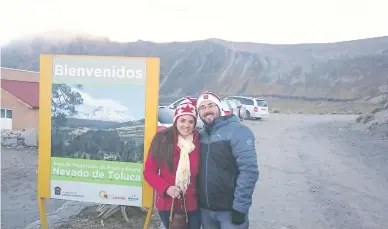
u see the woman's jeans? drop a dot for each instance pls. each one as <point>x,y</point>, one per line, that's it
<point>194,219</point>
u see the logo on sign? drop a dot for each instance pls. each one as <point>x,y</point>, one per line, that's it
<point>133,198</point>
<point>57,191</point>
<point>103,195</point>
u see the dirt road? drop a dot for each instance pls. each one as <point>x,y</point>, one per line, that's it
<point>19,206</point>
<point>18,189</point>
<point>316,172</point>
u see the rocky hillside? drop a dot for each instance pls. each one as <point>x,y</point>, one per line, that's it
<point>343,71</point>
<point>375,122</point>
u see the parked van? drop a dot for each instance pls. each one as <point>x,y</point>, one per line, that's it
<point>256,108</point>
<point>236,107</point>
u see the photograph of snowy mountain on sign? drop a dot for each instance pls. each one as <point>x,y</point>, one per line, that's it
<point>98,122</point>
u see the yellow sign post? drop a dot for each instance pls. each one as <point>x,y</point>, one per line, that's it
<point>97,117</point>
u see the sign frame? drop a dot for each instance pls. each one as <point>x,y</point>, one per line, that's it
<point>44,150</point>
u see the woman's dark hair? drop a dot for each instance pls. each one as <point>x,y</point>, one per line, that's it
<point>162,146</point>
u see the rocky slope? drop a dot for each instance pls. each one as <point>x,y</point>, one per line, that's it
<point>342,71</point>
<point>374,123</point>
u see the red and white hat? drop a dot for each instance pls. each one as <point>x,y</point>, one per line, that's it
<point>207,95</point>
<point>186,107</point>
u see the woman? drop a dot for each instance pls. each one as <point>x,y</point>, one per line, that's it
<point>172,166</point>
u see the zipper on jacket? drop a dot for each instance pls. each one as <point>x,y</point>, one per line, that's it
<point>207,156</point>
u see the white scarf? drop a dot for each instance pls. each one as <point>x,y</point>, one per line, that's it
<point>182,178</point>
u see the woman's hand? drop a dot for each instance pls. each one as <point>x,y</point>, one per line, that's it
<point>173,191</point>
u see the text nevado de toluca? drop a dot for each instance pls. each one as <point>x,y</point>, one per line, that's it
<point>111,173</point>
<point>113,72</point>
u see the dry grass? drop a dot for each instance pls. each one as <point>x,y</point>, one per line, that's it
<point>87,219</point>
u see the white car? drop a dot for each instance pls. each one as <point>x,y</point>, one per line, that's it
<point>242,109</point>
<point>174,104</point>
<point>256,108</point>
<point>236,107</point>
<point>168,117</point>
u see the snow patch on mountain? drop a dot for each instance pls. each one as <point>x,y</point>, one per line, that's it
<point>104,114</point>
<point>101,109</point>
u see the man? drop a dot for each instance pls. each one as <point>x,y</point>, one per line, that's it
<point>228,167</point>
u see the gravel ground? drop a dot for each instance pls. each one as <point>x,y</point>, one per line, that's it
<point>316,172</point>
<point>18,188</point>
<point>19,206</point>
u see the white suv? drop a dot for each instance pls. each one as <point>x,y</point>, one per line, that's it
<point>256,108</point>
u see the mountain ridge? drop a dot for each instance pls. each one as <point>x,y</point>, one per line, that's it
<point>346,70</point>
<point>102,113</point>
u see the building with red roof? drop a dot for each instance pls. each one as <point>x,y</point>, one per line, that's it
<point>19,99</point>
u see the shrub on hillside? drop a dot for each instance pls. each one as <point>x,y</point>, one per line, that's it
<point>377,109</point>
<point>364,118</point>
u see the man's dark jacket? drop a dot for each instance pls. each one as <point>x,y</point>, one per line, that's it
<point>228,166</point>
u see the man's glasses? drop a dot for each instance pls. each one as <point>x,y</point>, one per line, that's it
<point>209,106</point>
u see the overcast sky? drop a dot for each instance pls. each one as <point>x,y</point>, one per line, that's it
<point>265,21</point>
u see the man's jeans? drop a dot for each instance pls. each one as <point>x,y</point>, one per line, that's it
<point>220,220</point>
